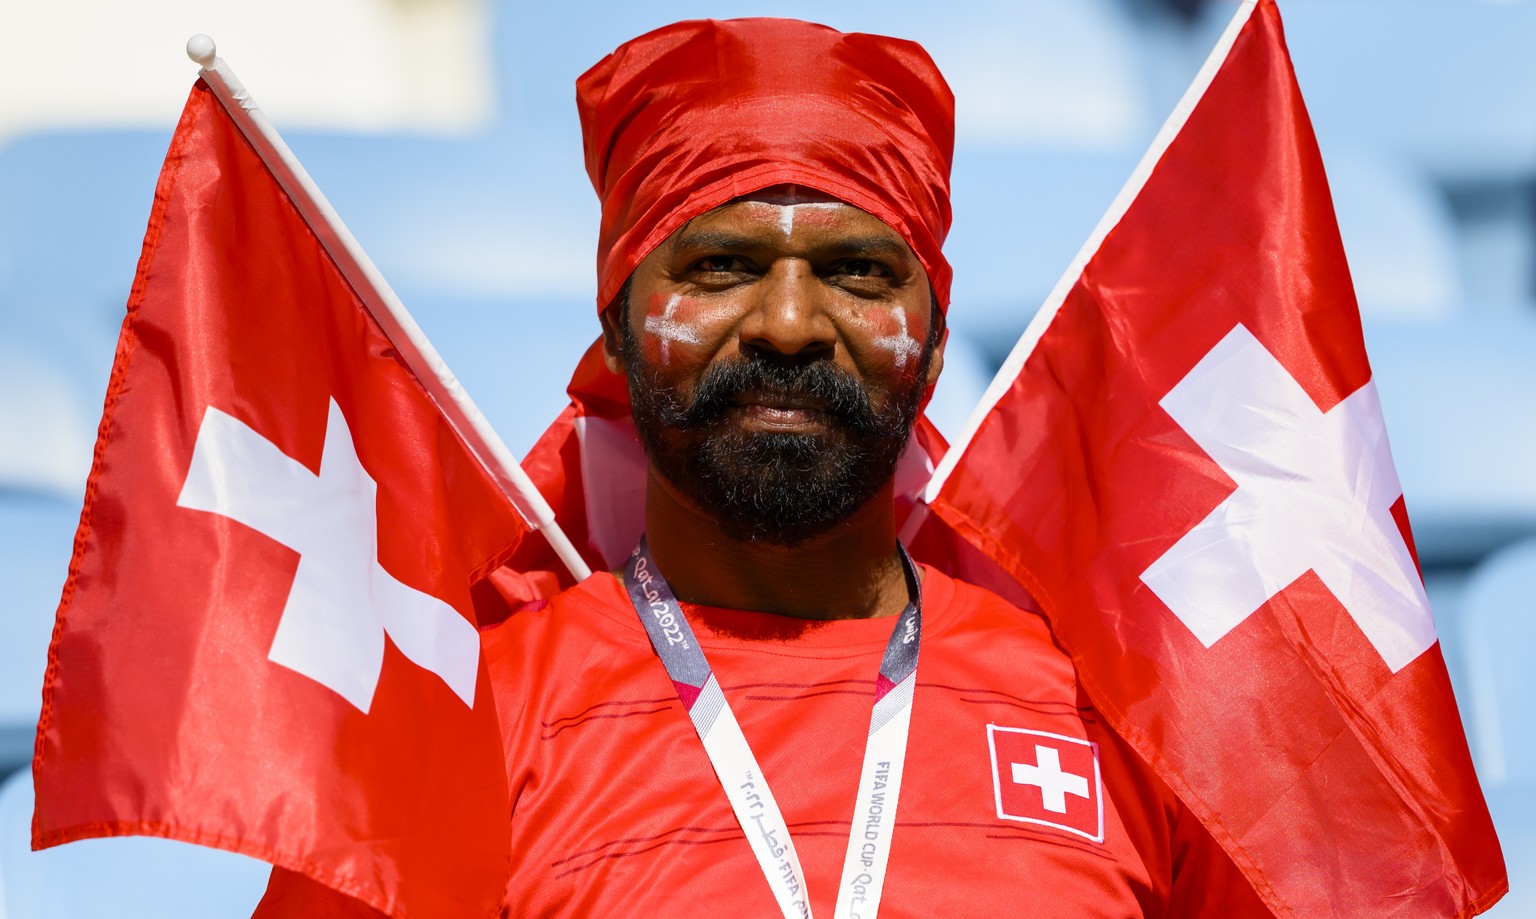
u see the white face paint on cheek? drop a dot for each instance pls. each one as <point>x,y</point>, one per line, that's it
<point>903,347</point>
<point>667,330</point>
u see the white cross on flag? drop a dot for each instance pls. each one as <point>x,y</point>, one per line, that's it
<point>1184,463</point>
<point>267,641</point>
<point>1330,512</point>
<point>343,602</point>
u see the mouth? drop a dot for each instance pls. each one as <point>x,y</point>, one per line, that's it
<point>781,412</point>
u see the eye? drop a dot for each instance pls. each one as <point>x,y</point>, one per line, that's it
<point>717,264</point>
<point>863,268</point>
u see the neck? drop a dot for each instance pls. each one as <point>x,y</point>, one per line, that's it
<point>853,571</point>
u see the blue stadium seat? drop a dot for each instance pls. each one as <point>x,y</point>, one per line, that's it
<point>968,370</point>
<point>1022,216</point>
<point>47,427</point>
<point>1498,637</point>
<point>999,56</point>
<point>1399,235</point>
<point>1035,75</point>
<point>36,537</point>
<point>1447,85</point>
<point>514,358</point>
<point>1463,428</point>
<point>1514,814</point>
<point>1498,625</point>
<point>133,877</point>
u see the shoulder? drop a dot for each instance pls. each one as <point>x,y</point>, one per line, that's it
<point>547,643</point>
<point>971,627</point>
<point>942,588</point>
<point>596,607</point>
<point>1009,657</point>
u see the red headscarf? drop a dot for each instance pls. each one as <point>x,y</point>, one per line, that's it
<point>695,114</point>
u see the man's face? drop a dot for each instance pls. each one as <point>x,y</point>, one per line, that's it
<point>777,349</point>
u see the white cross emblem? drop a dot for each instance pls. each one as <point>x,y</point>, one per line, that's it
<point>1054,784</point>
<point>1061,767</point>
<point>342,602</point>
<point>1314,493</point>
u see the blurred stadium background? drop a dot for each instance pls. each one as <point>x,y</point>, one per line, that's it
<point>445,134</point>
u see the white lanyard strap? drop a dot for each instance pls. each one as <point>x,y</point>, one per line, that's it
<point>885,751</point>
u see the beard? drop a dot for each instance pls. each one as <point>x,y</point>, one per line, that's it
<point>773,487</point>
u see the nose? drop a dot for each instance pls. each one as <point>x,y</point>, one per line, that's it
<point>789,316</point>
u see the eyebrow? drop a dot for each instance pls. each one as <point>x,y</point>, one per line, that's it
<point>871,246</point>
<point>847,247</point>
<point>714,239</point>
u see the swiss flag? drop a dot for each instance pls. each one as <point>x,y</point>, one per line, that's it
<point>1047,779</point>
<point>266,642</point>
<point>1184,463</point>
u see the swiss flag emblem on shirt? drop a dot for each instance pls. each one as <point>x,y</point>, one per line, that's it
<point>1049,779</point>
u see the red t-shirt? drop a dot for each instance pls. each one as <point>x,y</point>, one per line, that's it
<point>617,812</point>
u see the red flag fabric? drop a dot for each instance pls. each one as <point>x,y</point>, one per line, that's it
<point>1184,462</point>
<point>266,640</point>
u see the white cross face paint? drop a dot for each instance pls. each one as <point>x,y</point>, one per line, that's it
<point>903,347</point>
<point>666,329</point>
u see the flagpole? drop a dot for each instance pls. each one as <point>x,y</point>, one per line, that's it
<point>415,350</point>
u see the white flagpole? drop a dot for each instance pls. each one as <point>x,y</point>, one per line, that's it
<point>442,386</point>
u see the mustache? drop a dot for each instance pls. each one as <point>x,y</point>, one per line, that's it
<point>821,383</point>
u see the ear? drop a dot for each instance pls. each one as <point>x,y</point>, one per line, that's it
<point>612,319</point>
<point>935,366</point>
<point>936,363</point>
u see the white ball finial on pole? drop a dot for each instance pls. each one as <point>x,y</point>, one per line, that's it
<point>201,49</point>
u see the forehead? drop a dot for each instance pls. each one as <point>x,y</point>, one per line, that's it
<point>787,211</point>
<point>789,195</point>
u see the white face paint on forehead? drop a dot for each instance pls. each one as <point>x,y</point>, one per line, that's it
<point>786,199</point>
<point>667,330</point>
<point>787,213</point>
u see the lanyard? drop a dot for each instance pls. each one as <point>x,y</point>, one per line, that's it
<point>885,752</point>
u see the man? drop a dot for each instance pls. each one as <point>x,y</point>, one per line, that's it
<point>775,196</point>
